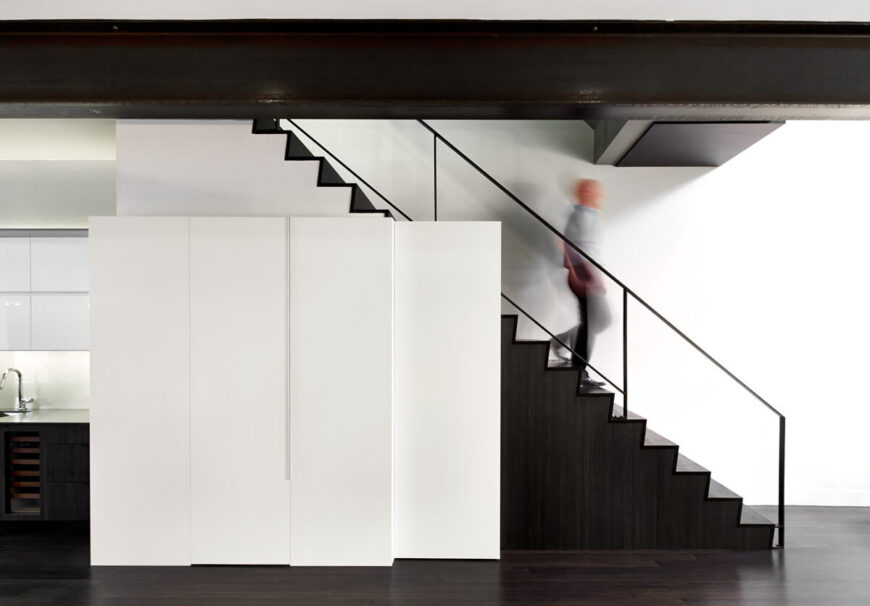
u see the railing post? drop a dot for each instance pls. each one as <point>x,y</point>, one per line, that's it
<point>435,173</point>
<point>781,524</point>
<point>624,353</point>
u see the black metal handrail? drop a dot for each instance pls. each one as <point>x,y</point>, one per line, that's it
<point>626,292</point>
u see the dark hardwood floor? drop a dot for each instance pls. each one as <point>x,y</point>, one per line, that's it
<point>825,563</point>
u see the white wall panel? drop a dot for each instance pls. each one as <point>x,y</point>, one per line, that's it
<point>239,467</point>
<point>448,339</point>
<point>341,298</point>
<point>140,372</point>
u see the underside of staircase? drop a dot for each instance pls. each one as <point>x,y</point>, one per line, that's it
<point>574,476</point>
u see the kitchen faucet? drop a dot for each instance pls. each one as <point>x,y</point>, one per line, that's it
<point>20,402</point>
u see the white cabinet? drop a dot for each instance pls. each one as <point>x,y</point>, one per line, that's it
<point>341,392</point>
<point>14,322</point>
<point>140,391</point>
<point>59,322</point>
<point>44,280</point>
<point>14,263</point>
<point>385,339</point>
<point>239,411</point>
<point>448,373</point>
<point>59,263</point>
<point>189,408</point>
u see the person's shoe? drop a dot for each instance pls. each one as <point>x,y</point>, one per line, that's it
<point>558,352</point>
<point>588,381</point>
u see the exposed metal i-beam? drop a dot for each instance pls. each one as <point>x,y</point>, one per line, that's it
<point>464,69</point>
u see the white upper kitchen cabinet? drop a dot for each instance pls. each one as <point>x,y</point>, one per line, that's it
<point>14,322</point>
<point>59,263</point>
<point>44,285</point>
<point>60,322</point>
<point>14,262</point>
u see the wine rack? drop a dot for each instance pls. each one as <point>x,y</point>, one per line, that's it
<point>23,472</point>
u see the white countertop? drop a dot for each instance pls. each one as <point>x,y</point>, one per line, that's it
<point>49,415</point>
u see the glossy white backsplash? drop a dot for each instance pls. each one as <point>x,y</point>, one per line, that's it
<point>56,379</point>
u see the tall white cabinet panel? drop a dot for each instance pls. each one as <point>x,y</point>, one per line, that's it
<point>14,263</point>
<point>59,264</point>
<point>14,321</point>
<point>239,411</point>
<point>341,300</point>
<point>140,386</point>
<point>60,322</point>
<point>448,340</point>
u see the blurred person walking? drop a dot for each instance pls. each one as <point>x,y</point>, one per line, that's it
<point>584,230</point>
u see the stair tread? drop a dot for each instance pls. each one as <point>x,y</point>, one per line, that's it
<point>653,439</point>
<point>752,517</point>
<point>593,390</point>
<point>718,491</point>
<point>687,465</point>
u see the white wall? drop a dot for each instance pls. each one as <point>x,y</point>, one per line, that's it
<point>758,260</point>
<point>799,10</point>
<point>215,168</point>
<point>56,173</point>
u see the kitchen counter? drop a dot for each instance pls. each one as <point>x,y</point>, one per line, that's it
<point>49,415</point>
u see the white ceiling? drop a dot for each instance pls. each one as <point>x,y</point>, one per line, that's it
<point>77,140</point>
<point>762,10</point>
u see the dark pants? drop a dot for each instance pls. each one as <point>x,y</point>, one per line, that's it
<point>582,344</point>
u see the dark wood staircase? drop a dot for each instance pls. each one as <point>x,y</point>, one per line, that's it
<point>574,476</point>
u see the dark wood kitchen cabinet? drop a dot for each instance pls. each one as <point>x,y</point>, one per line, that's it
<point>45,471</point>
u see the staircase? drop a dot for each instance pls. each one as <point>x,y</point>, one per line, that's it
<point>573,476</point>
<point>327,176</point>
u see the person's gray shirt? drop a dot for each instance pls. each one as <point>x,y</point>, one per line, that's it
<point>583,229</point>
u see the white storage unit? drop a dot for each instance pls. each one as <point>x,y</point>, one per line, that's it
<point>448,376</point>
<point>140,391</point>
<point>239,410</point>
<point>46,271</point>
<point>341,392</point>
<point>386,338</point>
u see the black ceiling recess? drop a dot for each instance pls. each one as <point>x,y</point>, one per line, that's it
<point>648,143</point>
<point>671,71</point>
